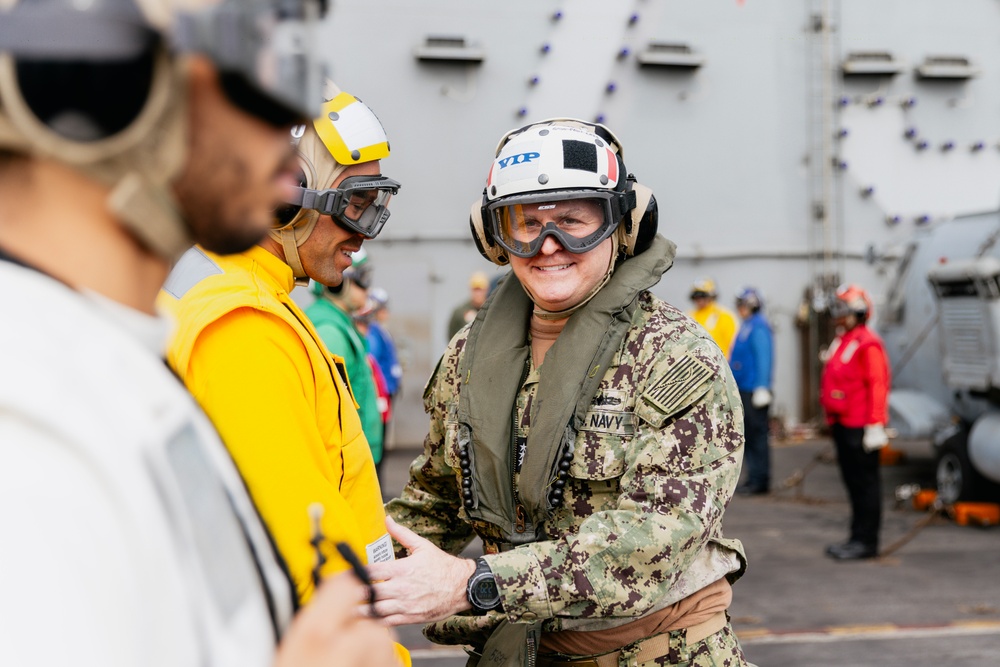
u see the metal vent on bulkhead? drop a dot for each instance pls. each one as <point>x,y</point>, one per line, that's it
<point>670,54</point>
<point>449,49</point>
<point>947,67</point>
<point>871,63</point>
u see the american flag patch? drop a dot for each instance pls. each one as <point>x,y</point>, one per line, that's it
<point>673,391</point>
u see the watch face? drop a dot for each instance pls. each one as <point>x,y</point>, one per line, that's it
<point>485,589</point>
<point>484,592</point>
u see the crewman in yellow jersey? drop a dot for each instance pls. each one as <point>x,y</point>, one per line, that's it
<point>717,320</point>
<point>281,402</point>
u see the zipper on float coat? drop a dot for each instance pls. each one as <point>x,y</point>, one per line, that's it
<point>521,521</point>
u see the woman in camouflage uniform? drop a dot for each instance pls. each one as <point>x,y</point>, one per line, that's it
<point>589,433</point>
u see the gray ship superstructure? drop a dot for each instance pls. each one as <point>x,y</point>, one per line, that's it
<point>791,145</point>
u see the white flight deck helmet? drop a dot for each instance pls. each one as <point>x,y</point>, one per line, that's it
<point>129,130</point>
<point>346,132</point>
<point>556,159</point>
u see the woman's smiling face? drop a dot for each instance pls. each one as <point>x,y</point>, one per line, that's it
<point>557,279</point>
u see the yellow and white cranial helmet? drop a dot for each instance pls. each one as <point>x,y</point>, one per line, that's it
<point>347,132</point>
<point>351,131</point>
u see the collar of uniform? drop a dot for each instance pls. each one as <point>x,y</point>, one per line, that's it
<point>332,310</point>
<point>151,331</point>
<point>703,311</point>
<point>275,267</point>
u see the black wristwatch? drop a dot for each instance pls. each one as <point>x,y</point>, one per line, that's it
<point>482,589</point>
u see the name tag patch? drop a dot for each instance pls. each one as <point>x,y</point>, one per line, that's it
<point>609,421</point>
<point>380,551</point>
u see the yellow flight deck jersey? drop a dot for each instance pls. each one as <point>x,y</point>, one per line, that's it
<point>280,402</point>
<point>720,324</point>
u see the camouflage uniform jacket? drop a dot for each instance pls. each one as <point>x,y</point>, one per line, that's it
<point>652,473</point>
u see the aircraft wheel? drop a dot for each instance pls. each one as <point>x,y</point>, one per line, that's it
<point>956,478</point>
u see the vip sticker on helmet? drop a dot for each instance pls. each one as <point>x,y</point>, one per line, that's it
<point>521,164</point>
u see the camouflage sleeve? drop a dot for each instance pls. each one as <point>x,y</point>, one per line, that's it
<point>658,538</point>
<point>429,504</point>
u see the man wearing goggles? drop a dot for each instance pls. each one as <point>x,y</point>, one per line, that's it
<point>360,203</point>
<point>259,368</point>
<point>581,427</point>
<point>123,139</point>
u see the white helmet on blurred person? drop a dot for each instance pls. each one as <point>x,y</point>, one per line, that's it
<point>100,86</point>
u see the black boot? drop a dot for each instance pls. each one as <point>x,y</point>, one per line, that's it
<point>852,550</point>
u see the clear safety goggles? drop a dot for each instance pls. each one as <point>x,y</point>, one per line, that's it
<point>360,203</point>
<point>266,51</point>
<point>521,224</point>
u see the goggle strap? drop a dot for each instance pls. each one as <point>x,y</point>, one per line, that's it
<point>301,196</point>
<point>324,201</point>
<point>626,202</point>
<point>383,183</point>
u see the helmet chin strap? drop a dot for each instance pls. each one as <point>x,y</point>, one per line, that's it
<point>321,169</point>
<point>150,215</point>
<point>291,236</point>
<point>549,315</point>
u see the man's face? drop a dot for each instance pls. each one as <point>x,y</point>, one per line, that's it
<point>846,322</point>
<point>477,295</point>
<point>326,254</point>
<point>238,169</point>
<point>357,297</point>
<point>556,278</point>
<point>700,301</point>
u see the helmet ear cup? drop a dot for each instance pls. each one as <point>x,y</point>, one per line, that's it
<point>640,225</point>
<point>485,244</point>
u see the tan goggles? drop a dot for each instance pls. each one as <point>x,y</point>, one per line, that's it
<point>578,223</point>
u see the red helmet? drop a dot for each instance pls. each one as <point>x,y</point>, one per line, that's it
<point>851,299</point>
